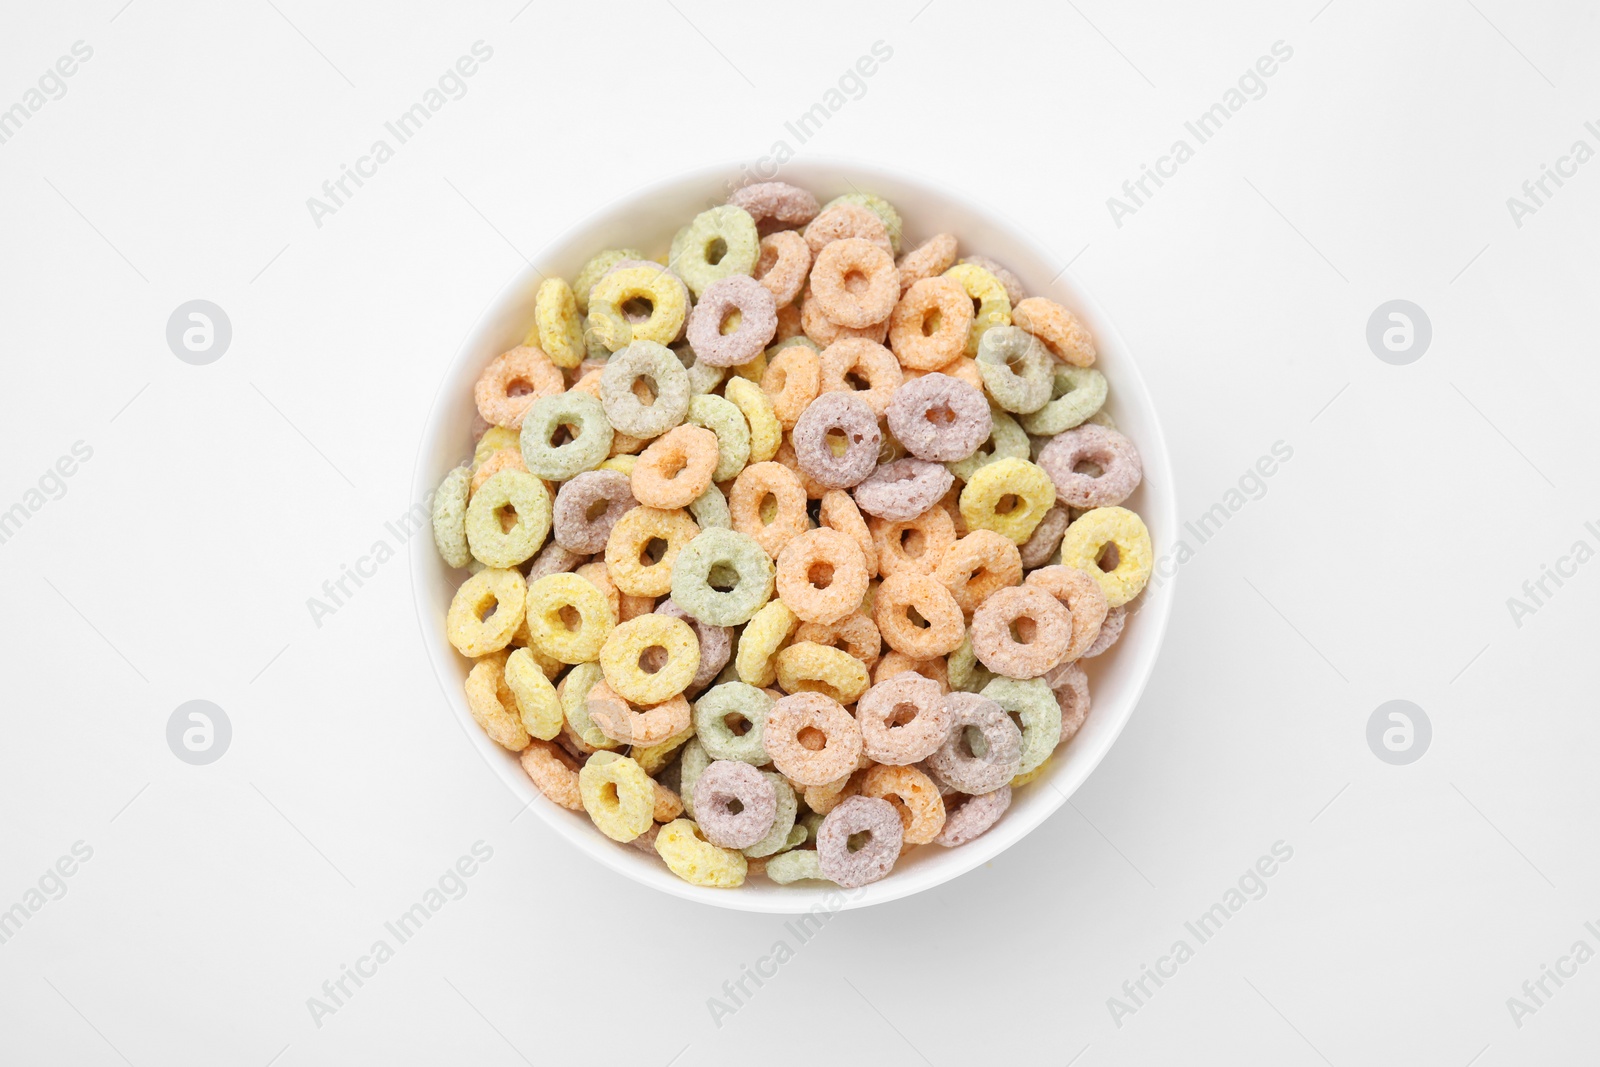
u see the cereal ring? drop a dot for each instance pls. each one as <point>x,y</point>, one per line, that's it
<point>1013,285</point>
<point>654,368</point>
<point>789,321</point>
<point>766,632</point>
<point>557,327</point>
<point>841,222</point>
<point>855,359</point>
<point>508,519</point>
<point>777,202</point>
<point>718,244</point>
<point>507,459</point>
<point>731,434</point>
<point>991,306</point>
<point>904,719</point>
<point>856,633</point>
<point>1088,541</point>
<point>596,269</point>
<point>978,723</point>
<point>794,866</point>
<point>492,704</point>
<point>716,644</point>
<point>622,655</point>
<point>722,557</point>
<point>964,670</point>
<point>710,510</point>
<point>973,816</point>
<point>588,507</point>
<point>784,833</point>
<point>901,594</point>
<point>553,559</point>
<point>766,432</point>
<point>691,765</point>
<point>1006,441</point>
<point>676,468</point>
<point>796,723</point>
<point>933,668</point>
<point>553,773</point>
<point>878,206</point>
<point>914,546</point>
<point>492,440</point>
<point>821,576</point>
<point>573,692</point>
<point>1058,328</point>
<point>809,668</point>
<point>721,786</point>
<point>757,322</point>
<point>837,417</point>
<point>624,288</point>
<point>928,260</point>
<point>839,512</point>
<point>1010,497</point>
<point>1114,454</point>
<point>535,698</point>
<point>568,618</point>
<point>719,716</point>
<point>654,758</point>
<point>1076,394</point>
<point>791,382</point>
<point>1071,686</point>
<point>619,797</point>
<point>1043,626</point>
<point>931,324</point>
<point>1017,371</point>
<point>485,611</point>
<point>774,526</point>
<point>822,331</point>
<point>557,417</point>
<point>904,489</point>
<point>940,418</point>
<point>782,269</point>
<point>822,799</point>
<point>512,382</point>
<point>625,724</point>
<point>914,796</point>
<point>1033,704</point>
<point>871,860</point>
<point>630,549</point>
<point>1046,537</point>
<point>854,283</point>
<point>450,517</point>
<point>1110,630</point>
<point>977,567</point>
<point>1080,592</point>
<point>703,377</point>
<point>697,861</point>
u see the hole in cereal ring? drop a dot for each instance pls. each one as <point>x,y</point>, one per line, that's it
<point>519,387</point>
<point>570,617</point>
<point>722,577</point>
<point>652,553</point>
<point>820,574</point>
<point>1108,557</point>
<point>930,323</point>
<point>814,685</point>
<point>731,322</point>
<point>646,389</point>
<point>914,617</point>
<point>858,840</point>
<point>1089,467</point>
<point>608,794</point>
<point>638,308</point>
<point>507,516</point>
<point>973,742</point>
<point>812,739</point>
<point>562,433</point>
<point>977,306</point>
<point>716,248</point>
<point>838,443</point>
<point>1006,504</point>
<point>912,543</point>
<point>940,415</point>
<point>737,724</point>
<point>596,509</point>
<point>900,808</point>
<point>902,714</point>
<point>734,806</point>
<point>1022,630</point>
<point>487,609</point>
<point>652,659</point>
<point>768,508</point>
<point>856,382</point>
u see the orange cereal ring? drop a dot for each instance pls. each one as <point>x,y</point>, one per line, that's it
<point>914,797</point>
<point>507,459</point>
<point>938,628</point>
<point>788,323</point>
<point>1058,328</point>
<point>621,721</point>
<point>1080,592</point>
<point>855,282</point>
<point>977,566</point>
<point>596,575</point>
<point>554,772</point>
<point>821,576</point>
<point>935,670</point>
<point>787,456</point>
<point>493,705</point>
<point>914,546</point>
<point>931,324</point>
<point>676,468</point>
<point>811,738</point>
<point>1020,632</point>
<point>856,634</point>
<point>823,331</point>
<point>768,503</point>
<point>963,368</point>
<point>839,512</point>
<point>643,546</point>
<point>856,359</point>
<point>792,381</point>
<point>512,382</point>
<point>784,264</point>
<point>844,221</point>
<point>928,260</point>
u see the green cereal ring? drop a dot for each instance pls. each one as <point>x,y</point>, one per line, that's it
<point>777,838</point>
<point>710,510</point>
<point>790,342</point>
<point>450,517</point>
<point>1017,369</point>
<point>657,366</point>
<point>490,541</point>
<point>795,866</point>
<point>703,377</point>
<point>719,243</point>
<point>726,701</point>
<point>1007,440</point>
<point>733,433</point>
<point>964,671</point>
<point>691,765</point>
<point>812,821</point>
<point>879,207</point>
<point>1034,707</point>
<point>1076,394</point>
<point>574,694</point>
<point>553,415</point>
<point>711,556</point>
<point>595,269</point>
<point>992,305</point>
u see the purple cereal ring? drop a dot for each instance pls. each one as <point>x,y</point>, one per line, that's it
<point>1110,630</point>
<point>579,526</point>
<point>716,644</point>
<point>1046,537</point>
<point>776,202</point>
<point>904,489</point>
<point>904,719</point>
<point>758,321</point>
<point>848,415</point>
<point>1114,454</point>
<point>876,818</point>
<point>725,783</point>
<point>939,418</point>
<point>1010,282</point>
<point>955,761</point>
<point>1071,687</point>
<point>972,817</point>
<point>553,559</point>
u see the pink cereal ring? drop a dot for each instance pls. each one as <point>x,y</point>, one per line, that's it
<point>904,489</point>
<point>512,382</point>
<point>876,818</point>
<point>758,321</point>
<point>1110,630</point>
<point>855,282</point>
<point>819,328</point>
<point>1048,630</point>
<point>1114,454</point>
<point>859,358</point>
<point>1080,592</point>
<point>848,416</point>
<point>972,817</point>
<point>812,739</point>
<point>903,719</point>
<point>776,202</point>
<point>844,221</point>
<point>928,260</point>
<point>1071,687</point>
<point>1046,537</point>
<point>931,324</point>
<point>784,264</point>
<point>715,792</point>
<point>940,418</point>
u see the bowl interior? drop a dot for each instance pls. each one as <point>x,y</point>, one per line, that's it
<point>647,220</point>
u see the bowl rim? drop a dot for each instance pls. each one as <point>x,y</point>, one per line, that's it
<point>972,854</point>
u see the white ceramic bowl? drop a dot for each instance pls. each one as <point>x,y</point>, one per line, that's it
<point>647,220</point>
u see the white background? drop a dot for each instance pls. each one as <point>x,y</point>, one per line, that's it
<point>1377,565</point>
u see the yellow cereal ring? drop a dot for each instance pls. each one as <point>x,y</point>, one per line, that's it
<point>766,432</point>
<point>809,667</point>
<point>628,642</point>
<point>631,569</point>
<point>470,626</point>
<point>618,795</point>
<point>495,439</point>
<point>697,861</point>
<point>1087,540</point>
<point>1025,486</point>
<point>1023,779</point>
<point>620,463</point>
<point>568,617</point>
<point>557,327</point>
<point>664,293</point>
<point>492,705</point>
<point>536,700</point>
<point>994,306</point>
<point>766,631</point>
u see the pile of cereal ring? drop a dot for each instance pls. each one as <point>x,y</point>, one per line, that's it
<point>786,548</point>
